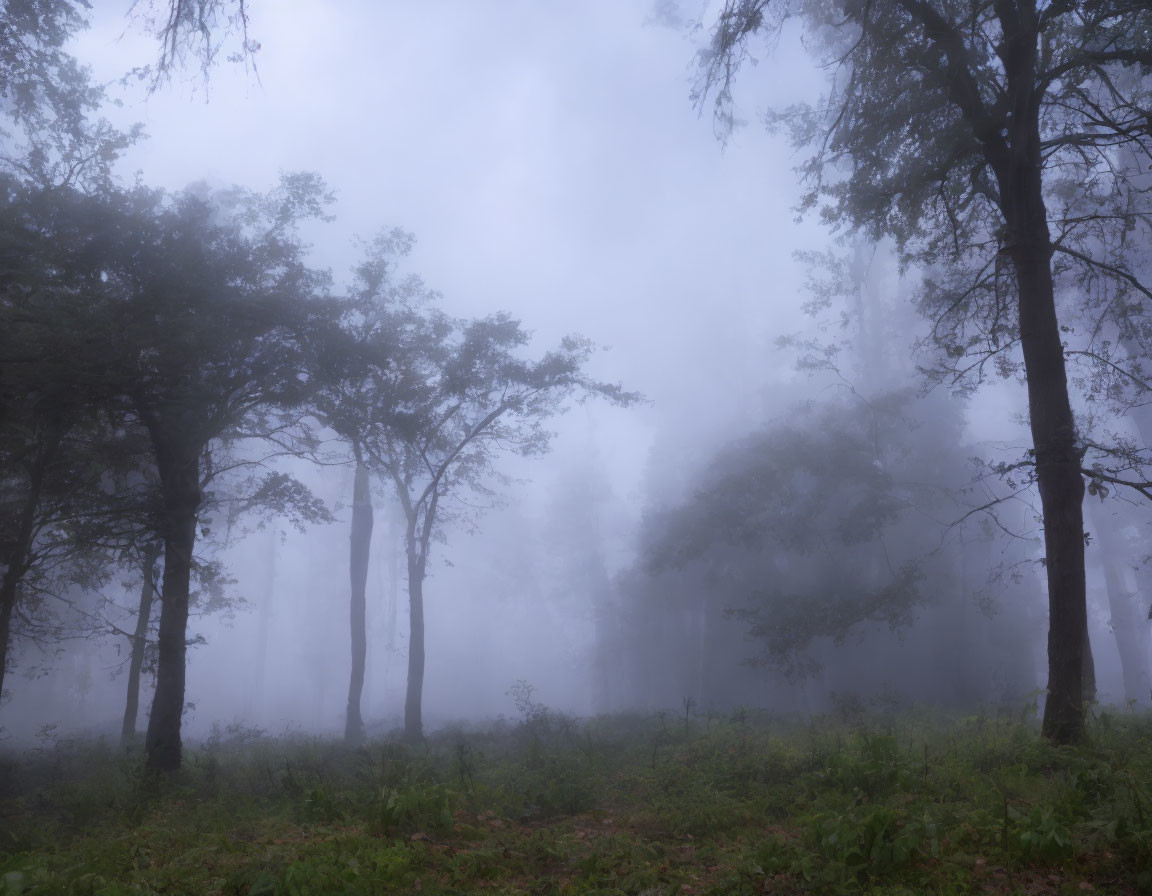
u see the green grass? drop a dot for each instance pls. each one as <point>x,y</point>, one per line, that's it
<point>888,804</point>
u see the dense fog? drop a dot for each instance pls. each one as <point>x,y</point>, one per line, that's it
<point>762,488</point>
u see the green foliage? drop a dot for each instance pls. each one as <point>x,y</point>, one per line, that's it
<point>879,804</point>
<point>816,523</point>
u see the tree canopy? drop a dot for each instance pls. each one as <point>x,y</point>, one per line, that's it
<point>983,138</point>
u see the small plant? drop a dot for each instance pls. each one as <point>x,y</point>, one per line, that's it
<point>417,804</point>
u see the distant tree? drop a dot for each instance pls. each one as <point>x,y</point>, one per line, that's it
<point>447,399</point>
<point>813,526</point>
<point>982,138</point>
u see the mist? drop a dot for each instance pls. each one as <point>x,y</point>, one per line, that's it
<point>582,198</point>
<point>376,373</point>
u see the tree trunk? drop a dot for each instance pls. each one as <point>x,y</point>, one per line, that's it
<point>1127,626</point>
<point>1087,672</point>
<point>15,561</point>
<point>139,642</point>
<point>8,592</point>
<point>1018,164</point>
<point>180,477</point>
<point>361,543</point>
<point>1056,451</point>
<point>255,699</point>
<point>413,716</point>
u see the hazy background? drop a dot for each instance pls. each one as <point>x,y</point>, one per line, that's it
<point>550,163</point>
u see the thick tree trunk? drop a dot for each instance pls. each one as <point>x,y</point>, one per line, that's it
<point>361,543</point>
<point>139,642</point>
<point>1019,167</point>
<point>1057,454</point>
<point>180,476</point>
<point>413,715</point>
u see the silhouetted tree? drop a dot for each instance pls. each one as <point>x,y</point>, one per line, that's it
<point>446,399</point>
<point>206,307</point>
<point>57,449</point>
<point>980,136</point>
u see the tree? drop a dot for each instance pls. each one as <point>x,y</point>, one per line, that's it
<point>811,527</point>
<point>139,640</point>
<point>194,29</point>
<point>346,398</point>
<point>33,33</point>
<point>976,135</point>
<point>442,401</point>
<point>56,447</point>
<point>205,307</point>
<point>57,136</point>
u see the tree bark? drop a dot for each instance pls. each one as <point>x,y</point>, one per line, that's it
<point>413,702</point>
<point>361,543</point>
<point>139,642</point>
<point>180,477</point>
<point>1018,164</point>
<point>1055,445</point>
<point>1061,496</point>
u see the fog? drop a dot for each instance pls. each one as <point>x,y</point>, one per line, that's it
<point>549,162</point>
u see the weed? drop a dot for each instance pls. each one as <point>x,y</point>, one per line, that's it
<point>870,800</point>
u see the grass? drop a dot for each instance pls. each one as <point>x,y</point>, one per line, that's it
<point>739,804</point>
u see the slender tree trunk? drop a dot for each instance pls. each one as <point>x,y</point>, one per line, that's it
<point>361,543</point>
<point>1127,626</point>
<point>255,700</point>
<point>180,476</point>
<point>413,702</point>
<point>8,591</point>
<point>15,562</point>
<point>1087,672</point>
<point>139,642</point>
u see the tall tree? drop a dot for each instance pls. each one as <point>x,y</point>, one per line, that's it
<point>360,544</point>
<point>206,307</point>
<point>56,448</point>
<point>149,556</point>
<point>975,134</point>
<point>443,401</point>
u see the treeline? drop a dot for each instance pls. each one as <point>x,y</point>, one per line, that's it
<point>159,350</point>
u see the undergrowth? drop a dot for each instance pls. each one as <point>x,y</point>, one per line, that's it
<point>742,804</point>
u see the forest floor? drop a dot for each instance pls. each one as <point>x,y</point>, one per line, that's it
<point>868,802</point>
